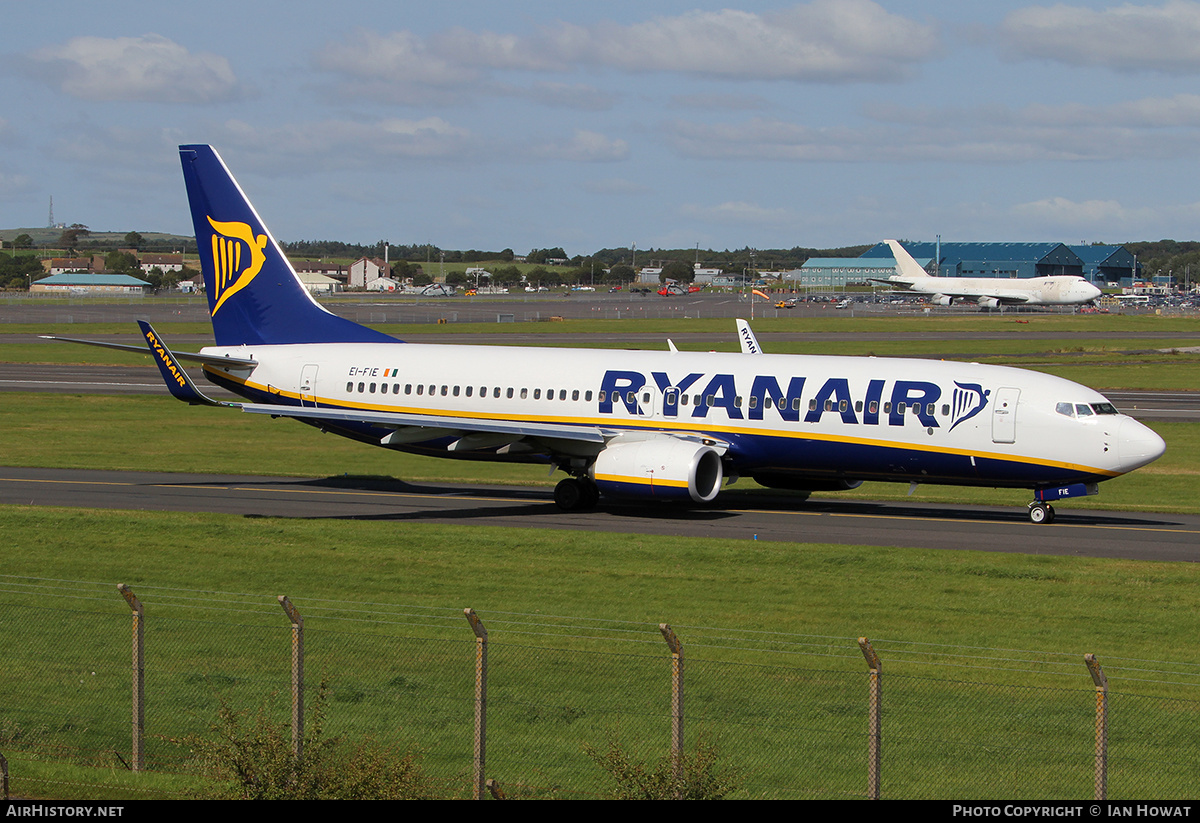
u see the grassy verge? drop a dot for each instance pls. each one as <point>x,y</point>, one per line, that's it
<point>384,624</point>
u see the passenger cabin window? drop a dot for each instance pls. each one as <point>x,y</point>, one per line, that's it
<point>349,387</point>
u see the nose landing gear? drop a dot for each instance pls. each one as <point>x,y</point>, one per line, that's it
<point>1041,512</point>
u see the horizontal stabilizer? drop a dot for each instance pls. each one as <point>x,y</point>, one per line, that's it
<point>225,361</point>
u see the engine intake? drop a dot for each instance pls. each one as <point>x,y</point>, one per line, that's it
<point>660,467</point>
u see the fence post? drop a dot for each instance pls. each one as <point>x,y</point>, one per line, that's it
<point>297,675</point>
<point>1101,682</point>
<point>676,696</point>
<point>874,719</point>
<point>481,637</point>
<point>139,676</point>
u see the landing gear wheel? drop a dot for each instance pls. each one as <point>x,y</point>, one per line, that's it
<point>569,494</point>
<point>1041,513</point>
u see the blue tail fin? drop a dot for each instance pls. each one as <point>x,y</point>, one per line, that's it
<point>254,295</point>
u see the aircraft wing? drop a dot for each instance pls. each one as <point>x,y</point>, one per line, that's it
<point>587,434</point>
<point>1003,295</point>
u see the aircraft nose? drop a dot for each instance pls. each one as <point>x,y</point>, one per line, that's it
<point>1137,445</point>
<point>1090,292</point>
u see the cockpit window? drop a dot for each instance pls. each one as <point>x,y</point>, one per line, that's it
<point>1083,410</point>
<point>1104,408</point>
<point>1067,409</point>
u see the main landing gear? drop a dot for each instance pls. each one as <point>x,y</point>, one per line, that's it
<point>1041,512</point>
<point>576,494</point>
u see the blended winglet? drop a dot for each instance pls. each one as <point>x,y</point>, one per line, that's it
<point>177,380</point>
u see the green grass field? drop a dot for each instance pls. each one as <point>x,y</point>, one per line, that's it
<point>988,694</point>
<point>778,683</point>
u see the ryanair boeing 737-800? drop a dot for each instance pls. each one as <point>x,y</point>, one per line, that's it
<point>654,426</point>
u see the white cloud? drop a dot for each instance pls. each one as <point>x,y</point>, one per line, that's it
<point>824,41</point>
<point>343,143</point>
<point>1126,38</point>
<point>1156,128</point>
<point>149,68</point>
<point>397,67</point>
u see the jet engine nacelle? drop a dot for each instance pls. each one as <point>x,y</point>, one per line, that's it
<point>941,300</point>
<point>989,303</point>
<point>659,467</point>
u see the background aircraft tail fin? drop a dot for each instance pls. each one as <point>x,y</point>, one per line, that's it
<point>909,268</point>
<point>254,295</point>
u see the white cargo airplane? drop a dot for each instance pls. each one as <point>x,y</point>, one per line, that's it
<point>652,426</point>
<point>988,292</point>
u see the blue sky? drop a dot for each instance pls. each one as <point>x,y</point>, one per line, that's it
<point>666,124</point>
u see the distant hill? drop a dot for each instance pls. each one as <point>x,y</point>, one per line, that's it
<point>107,240</point>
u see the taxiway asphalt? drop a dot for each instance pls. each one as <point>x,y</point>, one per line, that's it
<point>749,517</point>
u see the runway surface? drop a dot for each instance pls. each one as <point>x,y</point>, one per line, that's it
<point>1076,532</point>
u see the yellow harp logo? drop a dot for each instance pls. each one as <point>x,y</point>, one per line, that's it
<point>228,242</point>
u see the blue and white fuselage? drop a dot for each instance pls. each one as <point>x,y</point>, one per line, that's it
<point>791,421</point>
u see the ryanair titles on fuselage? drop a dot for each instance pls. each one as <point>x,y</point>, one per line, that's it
<point>701,396</point>
<point>721,393</point>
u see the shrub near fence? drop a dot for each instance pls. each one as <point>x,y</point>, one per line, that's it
<point>533,702</point>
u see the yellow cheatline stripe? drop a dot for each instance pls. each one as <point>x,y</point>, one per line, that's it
<point>686,426</point>
<point>641,480</point>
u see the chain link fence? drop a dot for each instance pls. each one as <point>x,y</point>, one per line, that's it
<point>533,702</point>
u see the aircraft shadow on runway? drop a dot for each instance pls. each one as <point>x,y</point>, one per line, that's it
<point>536,502</point>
